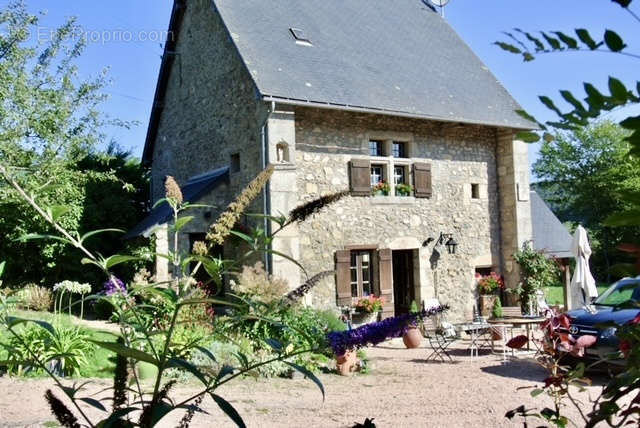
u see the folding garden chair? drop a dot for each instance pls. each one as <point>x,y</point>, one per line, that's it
<point>440,338</point>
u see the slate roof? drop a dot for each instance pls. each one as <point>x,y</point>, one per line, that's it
<point>390,56</point>
<point>549,235</point>
<point>396,57</point>
<point>195,188</point>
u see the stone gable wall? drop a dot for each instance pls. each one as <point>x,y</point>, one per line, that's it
<point>325,142</point>
<point>211,111</point>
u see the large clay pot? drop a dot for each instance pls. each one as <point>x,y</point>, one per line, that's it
<point>486,304</point>
<point>412,337</point>
<point>345,363</point>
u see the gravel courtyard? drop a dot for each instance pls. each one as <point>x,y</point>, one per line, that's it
<point>402,390</point>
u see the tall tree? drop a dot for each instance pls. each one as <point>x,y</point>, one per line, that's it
<point>584,175</point>
<point>50,133</point>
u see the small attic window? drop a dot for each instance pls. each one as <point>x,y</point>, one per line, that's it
<point>300,37</point>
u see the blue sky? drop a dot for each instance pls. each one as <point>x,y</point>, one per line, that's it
<point>134,63</point>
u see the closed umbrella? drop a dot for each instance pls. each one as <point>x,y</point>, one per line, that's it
<point>583,285</point>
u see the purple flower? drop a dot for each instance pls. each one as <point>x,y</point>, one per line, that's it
<point>113,286</point>
<point>377,332</point>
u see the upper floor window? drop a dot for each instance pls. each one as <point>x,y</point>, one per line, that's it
<point>375,148</point>
<point>399,149</point>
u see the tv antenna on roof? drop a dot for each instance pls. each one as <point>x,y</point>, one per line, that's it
<point>441,4</point>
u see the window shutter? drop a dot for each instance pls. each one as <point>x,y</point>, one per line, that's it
<point>385,269</point>
<point>422,180</point>
<point>343,277</point>
<point>360,173</point>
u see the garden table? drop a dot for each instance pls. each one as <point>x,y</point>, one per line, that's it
<point>481,335</point>
<point>526,322</point>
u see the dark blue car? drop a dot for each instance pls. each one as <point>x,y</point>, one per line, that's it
<point>611,307</point>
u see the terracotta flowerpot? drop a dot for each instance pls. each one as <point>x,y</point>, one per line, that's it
<point>412,338</point>
<point>346,362</point>
<point>486,304</point>
<point>497,333</point>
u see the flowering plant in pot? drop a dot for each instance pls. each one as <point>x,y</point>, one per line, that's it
<point>368,308</point>
<point>411,336</point>
<point>403,189</point>
<point>497,333</point>
<point>382,188</point>
<point>487,287</point>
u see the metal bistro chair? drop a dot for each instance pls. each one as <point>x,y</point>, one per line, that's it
<point>440,338</point>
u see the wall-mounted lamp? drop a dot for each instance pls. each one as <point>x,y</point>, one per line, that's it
<point>445,239</point>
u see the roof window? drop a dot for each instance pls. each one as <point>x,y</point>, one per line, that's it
<point>300,37</point>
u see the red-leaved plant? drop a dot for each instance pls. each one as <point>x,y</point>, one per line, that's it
<point>554,346</point>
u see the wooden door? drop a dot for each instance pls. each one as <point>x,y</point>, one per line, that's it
<point>403,284</point>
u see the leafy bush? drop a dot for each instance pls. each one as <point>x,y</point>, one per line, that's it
<point>537,272</point>
<point>63,348</point>
<point>34,297</point>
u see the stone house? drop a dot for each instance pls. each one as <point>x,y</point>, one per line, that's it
<point>344,95</point>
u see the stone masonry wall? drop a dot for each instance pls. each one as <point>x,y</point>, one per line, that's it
<point>211,112</point>
<point>460,155</point>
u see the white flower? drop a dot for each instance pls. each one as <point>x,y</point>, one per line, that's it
<point>73,287</point>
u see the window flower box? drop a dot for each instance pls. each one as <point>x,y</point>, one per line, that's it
<point>403,189</point>
<point>381,189</point>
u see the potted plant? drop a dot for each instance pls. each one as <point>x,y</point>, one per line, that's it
<point>412,336</point>
<point>497,333</point>
<point>346,363</point>
<point>367,309</point>
<point>487,287</point>
<point>403,189</point>
<point>381,189</point>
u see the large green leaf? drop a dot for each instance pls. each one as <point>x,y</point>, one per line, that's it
<point>309,375</point>
<point>185,365</point>
<point>93,402</point>
<point>2,265</point>
<point>127,352</point>
<point>96,232</point>
<point>528,136</point>
<point>618,91</point>
<point>37,236</point>
<point>613,41</point>
<point>114,420</point>
<point>567,40</point>
<point>228,409</point>
<point>508,47</point>
<point>586,38</point>
<point>57,211</point>
<point>553,42</point>
<point>14,321</point>
<point>182,222</point>
<point>119,259</point>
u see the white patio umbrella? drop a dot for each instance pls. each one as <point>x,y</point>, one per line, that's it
<point>582,280</point>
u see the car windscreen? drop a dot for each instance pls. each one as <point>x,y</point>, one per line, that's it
<point>620,293</point>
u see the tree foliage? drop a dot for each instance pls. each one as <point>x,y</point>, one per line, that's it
<point>583,176</point>
<point>50,132</point>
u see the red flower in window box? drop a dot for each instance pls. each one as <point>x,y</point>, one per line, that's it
<point>370,304</point>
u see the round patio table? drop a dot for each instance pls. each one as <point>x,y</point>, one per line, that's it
<point>527,322</point>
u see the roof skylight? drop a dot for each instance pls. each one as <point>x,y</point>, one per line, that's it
<point>300,37</point>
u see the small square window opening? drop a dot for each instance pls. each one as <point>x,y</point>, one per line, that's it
<point>235,162</point>
<point>399,149</point>
<point>475,191</point>
<point>375,148</point>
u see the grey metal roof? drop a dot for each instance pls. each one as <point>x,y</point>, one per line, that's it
<point>195,188</point>
<point>396,57</point>
<point>549,235</point>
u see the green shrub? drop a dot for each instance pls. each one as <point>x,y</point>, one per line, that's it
<point>64,350</point>
<point>34,297</point>
<point>497,308</point>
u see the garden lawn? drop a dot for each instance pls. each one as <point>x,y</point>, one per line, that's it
<point>99,361</point>
<point>555,296</point>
